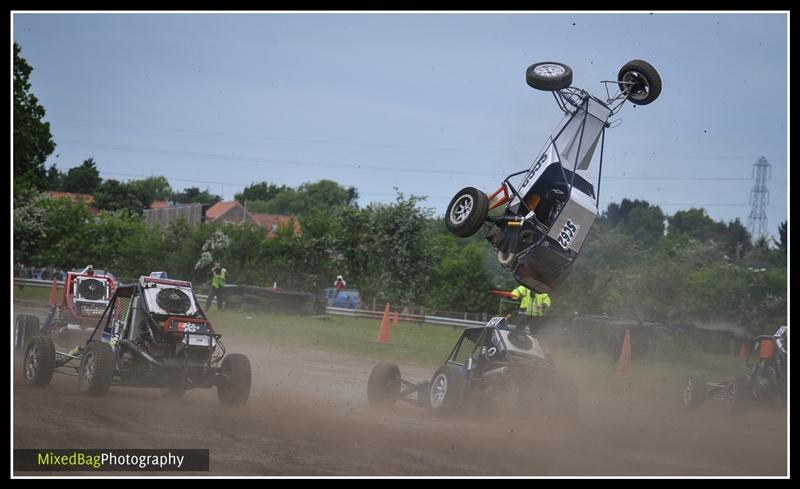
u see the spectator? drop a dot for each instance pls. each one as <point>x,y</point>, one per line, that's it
<point>218,279</point>
<point>532,307</point>
<point>339,284</point>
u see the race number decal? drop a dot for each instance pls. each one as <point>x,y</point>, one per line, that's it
<point>568,232</point>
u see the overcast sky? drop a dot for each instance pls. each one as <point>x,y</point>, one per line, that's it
<point>427,103</point>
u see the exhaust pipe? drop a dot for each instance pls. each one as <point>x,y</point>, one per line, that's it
<point>139,351</point>
<point>497,372</point>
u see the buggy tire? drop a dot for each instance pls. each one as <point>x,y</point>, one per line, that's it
<point>39,362</point>
<point>647,86</point>
<point>25,328</point>
<point>739,394</point>
<point>234,391</point>
<point>694,391</point>
<point>549,76</point>
<point>447,390</point>
<point>96,369</point>
<point>383,386</point>
<point>466,212</point>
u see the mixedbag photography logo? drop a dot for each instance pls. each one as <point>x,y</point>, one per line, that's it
<point>80,459</point>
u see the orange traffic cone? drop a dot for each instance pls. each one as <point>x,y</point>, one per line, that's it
<point>53,292</point>
<point>743,350</point>
<point>396,320</point>
<point>385,332</point>
<point>625,365</point>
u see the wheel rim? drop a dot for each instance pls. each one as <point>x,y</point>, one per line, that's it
<point>32,362</point>
<point>438,390</point>
<point>88,368</point>
<point>687,393</point>
<point>641,86</point>
<point>549,70</point>
<point>461,209</point>
<point>504,258</point>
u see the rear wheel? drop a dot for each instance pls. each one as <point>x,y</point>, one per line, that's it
<point>549,76</point>
<point>25,328</point>
<point>97,368</point>
<point>39,361</point>
<point>466,212</point>
<point>694,392</point>
<point>447,390</point>
<point>383,386</point>
<point>643,83</point>
<point>235,389</point>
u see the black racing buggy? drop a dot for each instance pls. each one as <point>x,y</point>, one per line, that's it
<point>551,206</point>
<point>87,292</point>
<point>153,333</point>
<point>764,380</point>
<point>487,363</point>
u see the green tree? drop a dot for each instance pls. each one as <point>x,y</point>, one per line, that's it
<point>193,195</point>
<point>33,142</point>
<point>83,179</point>
<point>54,179</point>
<point>114,195</point>
<point>261,191</point>
<point>150,189</point>
<point>697,224</point>
<point>638,219</point>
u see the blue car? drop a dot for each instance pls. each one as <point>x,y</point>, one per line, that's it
<point>348,299</point>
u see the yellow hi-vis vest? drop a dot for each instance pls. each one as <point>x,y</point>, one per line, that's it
<point>532,304</point>
<point>218,280</point>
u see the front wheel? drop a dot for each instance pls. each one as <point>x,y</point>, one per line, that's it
<point>549,76</point>
<point>447,390</point>
<point>466,212</point>
<point>642,83</point>
<point>235,388</point>
<point>694,392</point>
<point>97,368</point>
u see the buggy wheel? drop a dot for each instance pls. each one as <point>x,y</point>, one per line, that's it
<point>694,392</point>
<point>383,386</point>
<point>25,328</point>
<point>466,212</point>
<point>40,360</point>
<point>447,390</point>
<point>234,390</point>
<point>96,369</point>
<point>549,76</point>
<point>739,392</point>
<point>643,82</point>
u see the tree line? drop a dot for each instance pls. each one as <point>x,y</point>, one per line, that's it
<point>636,261</point>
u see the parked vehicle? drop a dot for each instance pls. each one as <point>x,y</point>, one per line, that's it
<point>346,298</point>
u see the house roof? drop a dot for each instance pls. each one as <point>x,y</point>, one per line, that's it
<point>220,208</point>
<point>271,222</point>
<point>158,204</point>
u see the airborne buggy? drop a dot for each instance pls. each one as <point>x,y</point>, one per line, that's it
<point>764,379</point>
<point>549,211</point>
<point>487,363</point>
<point>87,292</point>
<point>153,333</point>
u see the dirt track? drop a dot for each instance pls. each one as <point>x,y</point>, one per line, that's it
<point>308,415</point>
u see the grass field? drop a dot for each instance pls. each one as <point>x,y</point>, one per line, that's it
<point>429,345</point>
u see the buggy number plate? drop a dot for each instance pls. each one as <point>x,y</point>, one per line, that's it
<point>199,340</point>
<point>568,232</point>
